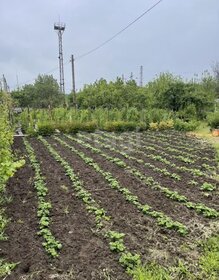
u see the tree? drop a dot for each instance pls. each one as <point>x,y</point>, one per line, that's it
<point>43,93</point>
<point>24,97</point>
<point>46,92</point>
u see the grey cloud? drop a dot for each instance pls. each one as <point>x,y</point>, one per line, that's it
<point>177,36</point>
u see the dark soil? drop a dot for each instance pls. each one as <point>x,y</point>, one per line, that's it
<point>23,244</point>
<point>181,186</point>
<point>142,232</point>
<point>85,254</point>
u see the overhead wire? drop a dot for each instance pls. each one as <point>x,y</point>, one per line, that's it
<point>118,33</point>
<point>105,42</point>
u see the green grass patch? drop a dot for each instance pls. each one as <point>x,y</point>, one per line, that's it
<point>151,272</point>
<point>209,261</point>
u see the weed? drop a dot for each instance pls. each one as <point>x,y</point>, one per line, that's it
<point>150,272</point>
<point>209,261</point>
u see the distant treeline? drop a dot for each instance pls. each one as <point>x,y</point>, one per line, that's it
<point>186,99</point>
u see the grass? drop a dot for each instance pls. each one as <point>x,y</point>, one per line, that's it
<point>203,131</point>
<point>151,272</point>
<point>209,261</point>
<point>208,265</point>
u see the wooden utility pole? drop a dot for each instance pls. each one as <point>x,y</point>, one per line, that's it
<point>141,77</point>
<point>73,80</point>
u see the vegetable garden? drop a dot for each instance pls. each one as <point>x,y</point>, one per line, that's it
<point>135,205</point>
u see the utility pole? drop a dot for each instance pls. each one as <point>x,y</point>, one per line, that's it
<point>18,88</point>
<point>5,85</point>
<point>60,28</point>
<point>141,77</point>
<point>73,80</point>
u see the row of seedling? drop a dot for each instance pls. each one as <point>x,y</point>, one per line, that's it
<point>162,156</point>
<point>156,145</point>
<point>194,171</point>
<point>191,146</point>
<point>127,259</point>
<point>150,181</point>
<point>51,245</point>
<point>162,219</point>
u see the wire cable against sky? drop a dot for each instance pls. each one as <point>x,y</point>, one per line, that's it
<point>105,42</point>
<point>118,33</point>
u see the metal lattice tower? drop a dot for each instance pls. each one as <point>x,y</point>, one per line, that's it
<point>60,28</point>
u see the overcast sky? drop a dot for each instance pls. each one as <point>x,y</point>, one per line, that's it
<point>179,36</point>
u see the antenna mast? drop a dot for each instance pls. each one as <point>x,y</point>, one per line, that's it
<point>60,28</point>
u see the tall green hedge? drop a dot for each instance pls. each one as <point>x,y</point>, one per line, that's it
<point>7,165</point>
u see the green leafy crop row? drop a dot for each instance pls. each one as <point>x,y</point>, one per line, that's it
<point>51,245</point>
<point>161,218</point>
<point>198,207</point>
<point>163,159</point>
<point>116,243</point>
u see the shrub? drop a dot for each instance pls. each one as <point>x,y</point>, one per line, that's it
<point>120,126</point>
<point>88,126</point>
<point>213,120</point>
<point>154,125</point>
<point>142,126</point>
<point>67,127</point>
<point>46,129</point>
<point>157,115</point>
<point>62,127</point>
<point>168,124</point>
<point>185,126</point>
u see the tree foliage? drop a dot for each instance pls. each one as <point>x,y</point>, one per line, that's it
<point>184,99</point>
<point>43,93</point>
<point>191,99</point>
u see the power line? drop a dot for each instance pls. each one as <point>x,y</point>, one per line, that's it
<point>118,33</point>
<point>105,42</point>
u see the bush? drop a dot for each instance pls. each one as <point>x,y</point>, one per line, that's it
<point>185,126</point>
<point>168,124</point>
<point>67,127</point>
<point>158,115</point>
<point>88,126</point>
<point>142,126</point>
<point>154,125</point>
<point>121,126</point>
<point>213,120</point>
<point>46,129</point>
